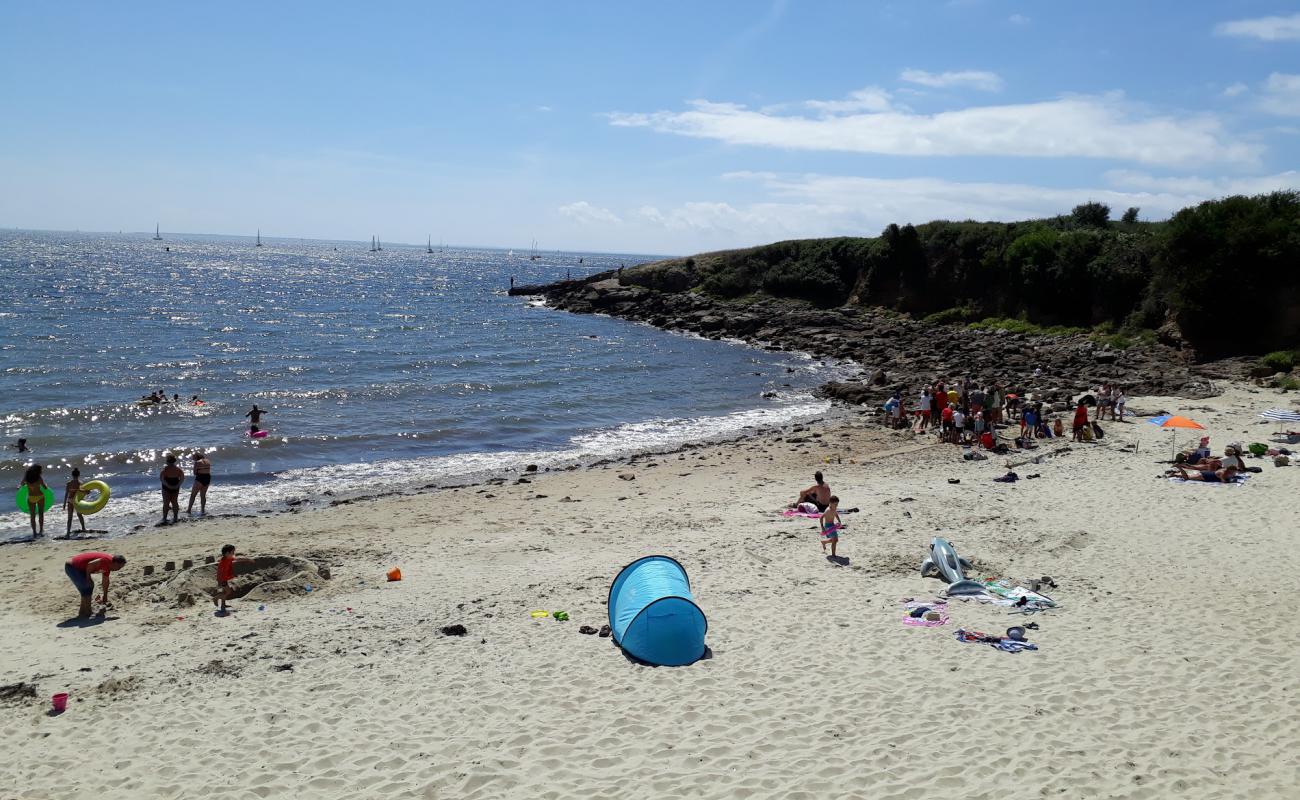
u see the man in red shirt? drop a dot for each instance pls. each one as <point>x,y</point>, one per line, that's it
<point>82,566</point>
<point>948,428</point>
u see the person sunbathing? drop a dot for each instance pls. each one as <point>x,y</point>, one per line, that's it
<point>818,494</point>
<point>1230,458</point>
<point>1224,475</point>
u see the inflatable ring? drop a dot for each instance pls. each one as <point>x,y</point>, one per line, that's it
<point>21,499</point>
<point>88,507</point>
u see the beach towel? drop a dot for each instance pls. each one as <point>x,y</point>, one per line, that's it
<point>1241,478</point>
<point>996,642</point>
<point>910,606</point>
<point>790,513</point>
<point>1003,593</point>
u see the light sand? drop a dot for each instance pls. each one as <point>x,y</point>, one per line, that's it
<point>1170,670</point>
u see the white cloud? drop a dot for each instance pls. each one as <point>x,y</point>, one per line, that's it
<point>1018,19</point>
<point>872,98</point>
<point>1268,29</point>
<point>975,79</point>
<point>1203,188</point>
<point>545,109</point>
<point>1236,89</point>
<point>1281,95</point>
<point>585,213</point>
<point>1088,126</point>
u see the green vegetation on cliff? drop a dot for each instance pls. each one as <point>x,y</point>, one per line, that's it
<point>1227,272</point>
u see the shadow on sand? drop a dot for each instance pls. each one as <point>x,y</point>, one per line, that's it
<point>85,622</point>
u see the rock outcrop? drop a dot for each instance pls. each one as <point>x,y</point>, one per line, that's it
<point>894,351</point>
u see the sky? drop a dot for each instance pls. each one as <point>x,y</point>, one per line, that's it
<point>665,128</point>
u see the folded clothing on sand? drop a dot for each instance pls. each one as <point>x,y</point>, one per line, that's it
<point>790,512</point>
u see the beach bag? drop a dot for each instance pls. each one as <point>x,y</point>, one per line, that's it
<point>1258,449</point>
<point>1087,433</point>
<point>1097,431</point>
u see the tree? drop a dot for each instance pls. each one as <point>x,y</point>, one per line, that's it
<point>1091,215</point>
<point>1130,216</point>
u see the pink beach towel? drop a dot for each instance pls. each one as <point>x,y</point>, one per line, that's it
<point>922,622</point>
<point>790,512</point>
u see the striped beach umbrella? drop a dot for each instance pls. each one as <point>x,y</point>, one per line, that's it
<point>1281,415</point>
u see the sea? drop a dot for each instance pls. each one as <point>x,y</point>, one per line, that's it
<point>393,370</point>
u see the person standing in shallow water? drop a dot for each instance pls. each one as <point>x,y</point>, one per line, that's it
<point>202,480</point>
<point>172,477</point>
<point>254,418</point>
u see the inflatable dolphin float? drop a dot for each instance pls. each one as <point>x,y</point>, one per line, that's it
<point>943,562</point>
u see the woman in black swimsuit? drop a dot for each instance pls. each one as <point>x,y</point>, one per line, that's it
<point>172,477</point>
<point>202,480</point>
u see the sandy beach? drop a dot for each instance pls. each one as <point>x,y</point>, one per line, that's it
<point>1168,670</point>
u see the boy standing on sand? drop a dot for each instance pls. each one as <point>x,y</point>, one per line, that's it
<point>70,494</point>
<point>225,574</point>
<point>831,524</point>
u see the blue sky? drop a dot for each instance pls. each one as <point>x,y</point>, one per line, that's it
<point>666,127</point>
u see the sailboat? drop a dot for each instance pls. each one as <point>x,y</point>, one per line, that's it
<point>379,246</point>
<point>259,238</point>
<point>428,247</point>
<point>157,237</point>
<point>533,253</point>
<point>372,244</point>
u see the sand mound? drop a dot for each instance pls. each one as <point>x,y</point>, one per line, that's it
<point>267,577</point>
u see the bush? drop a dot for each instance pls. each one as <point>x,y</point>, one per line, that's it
<point>1289,384</point>
<point>1024,326</point>
<point>1281,360</point>
<point>951,316</point>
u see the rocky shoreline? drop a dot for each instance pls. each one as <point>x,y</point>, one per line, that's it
<point>896,352</point>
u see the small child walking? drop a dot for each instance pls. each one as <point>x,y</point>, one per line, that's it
<point>831,524</point>
<point>225,574</point>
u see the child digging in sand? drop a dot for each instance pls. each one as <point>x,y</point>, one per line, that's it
<point>831,524</point>
<point>225,574</point>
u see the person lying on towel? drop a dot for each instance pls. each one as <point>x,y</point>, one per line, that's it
<point>1225,475</point>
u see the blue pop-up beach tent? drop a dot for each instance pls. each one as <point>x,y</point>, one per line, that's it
<point>653,615</point>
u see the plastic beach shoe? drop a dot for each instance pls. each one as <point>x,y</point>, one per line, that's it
<point>538,614</point>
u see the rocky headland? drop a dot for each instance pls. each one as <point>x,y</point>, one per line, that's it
<point>893,351</point>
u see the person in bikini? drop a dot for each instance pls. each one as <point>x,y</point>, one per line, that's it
<point>202,480</point>
<point>171,477</point>
<point>71,494</point>
<point>36,497</point>
<point>819,494</point>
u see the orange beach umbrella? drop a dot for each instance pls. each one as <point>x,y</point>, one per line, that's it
<point>1172,421</point>
<point>1178,422</point>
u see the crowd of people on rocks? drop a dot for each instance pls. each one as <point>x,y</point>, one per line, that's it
<point>967,412</point>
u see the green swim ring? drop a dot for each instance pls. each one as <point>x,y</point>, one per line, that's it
<point>21,499</point>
